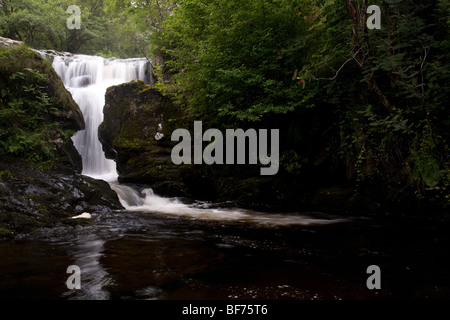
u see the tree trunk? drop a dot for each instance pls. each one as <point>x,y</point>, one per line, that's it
<point>373,87</point>
<point>361,43</point>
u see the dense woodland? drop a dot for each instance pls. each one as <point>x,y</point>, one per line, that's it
<point>353,105</point>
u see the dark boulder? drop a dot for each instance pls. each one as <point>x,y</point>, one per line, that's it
<point>136,130</point>
<point>31,198</point>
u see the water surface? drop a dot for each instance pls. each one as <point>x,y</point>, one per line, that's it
<point>145,255</point>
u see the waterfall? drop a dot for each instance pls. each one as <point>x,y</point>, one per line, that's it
<point>87,78</point>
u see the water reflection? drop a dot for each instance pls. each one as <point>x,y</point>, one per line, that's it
<point>86,251</point>
<point>146,255</point>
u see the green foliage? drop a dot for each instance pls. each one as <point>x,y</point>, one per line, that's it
<point>292,163</point>
<point>230,57</point>
<point>42,24</point>
<point>27,126</point>
<point>108,27</point>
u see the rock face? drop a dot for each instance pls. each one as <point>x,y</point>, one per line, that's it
<point>138,123</point>
<point>65,114</point>
<point>5,42</point>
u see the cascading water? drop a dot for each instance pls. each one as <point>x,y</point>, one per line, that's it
<point>147,201</point>
<point>87,78</point>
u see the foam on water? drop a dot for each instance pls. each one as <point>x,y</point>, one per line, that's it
<point>147,201</point>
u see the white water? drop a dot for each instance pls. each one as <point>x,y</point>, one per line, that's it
<point>147,201</point>
<point>87,78</point>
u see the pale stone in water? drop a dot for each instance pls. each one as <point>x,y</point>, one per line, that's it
<point>84,215</point>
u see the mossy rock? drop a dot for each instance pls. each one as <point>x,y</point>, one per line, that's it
<point>138,123</point>
<point>39,114</point>
<point>19,58</point>
<point>134,114</point>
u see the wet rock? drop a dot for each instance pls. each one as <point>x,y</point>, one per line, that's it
<point>31,198</point>
<point>6,42</point>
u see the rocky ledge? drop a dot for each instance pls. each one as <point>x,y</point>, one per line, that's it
<point>31,198</point>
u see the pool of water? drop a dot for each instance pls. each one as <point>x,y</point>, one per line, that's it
<point>147,255</point>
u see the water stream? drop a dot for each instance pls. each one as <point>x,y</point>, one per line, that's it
<point>162,248</point>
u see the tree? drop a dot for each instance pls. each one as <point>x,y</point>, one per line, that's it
<point>230,56</point>
<point>40,24</point>
<point>375,98</point>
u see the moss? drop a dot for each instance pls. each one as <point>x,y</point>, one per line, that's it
<point>5,232</point>
<point>17,222</point>
<point>6,175</point>
<point>18,58</point>
<point>36,110</point>
<point>133,115</point>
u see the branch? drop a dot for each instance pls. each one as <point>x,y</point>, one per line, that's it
<point>155,26</point>
<point>339,70</point>
<point>422,76</point>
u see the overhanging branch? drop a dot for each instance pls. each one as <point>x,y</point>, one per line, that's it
<point>339,70</point>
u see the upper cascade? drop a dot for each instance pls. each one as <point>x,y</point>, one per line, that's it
<point>79,71</point>
<point>87,78</point>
